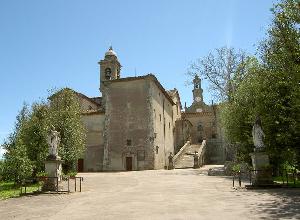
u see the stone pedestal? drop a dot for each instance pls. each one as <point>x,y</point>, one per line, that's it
<point>54,169</point>
<point>171,164</point>
<point>262,174</point>
<point>196,162</point>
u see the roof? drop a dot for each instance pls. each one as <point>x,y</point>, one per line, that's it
<point>94,100</point>
<point>195,114</point>
<point>97,100</point>
<point>92,112</point>
<point>174,92</point>
<point>148,76</point>
<point>110,52</point>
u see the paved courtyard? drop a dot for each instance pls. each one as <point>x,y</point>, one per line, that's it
<point>162,194</point>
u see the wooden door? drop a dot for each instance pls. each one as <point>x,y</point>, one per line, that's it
<point>80,165</point>
<point>128,163</point>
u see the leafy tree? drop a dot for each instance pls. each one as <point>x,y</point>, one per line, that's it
<point>34,135</point>
<point>1,169</point>
<point>281,56</point>
<point>27,148</point>
<point>271,89</point>
<point>65,116</point>
<point>224,68</point>
<point>17,165</point>
<point>238,115</point>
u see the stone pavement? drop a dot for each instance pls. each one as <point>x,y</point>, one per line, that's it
<point>156,194</point>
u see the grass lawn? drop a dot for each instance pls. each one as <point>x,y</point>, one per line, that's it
<point>9,189</point>
<point>291,181</point>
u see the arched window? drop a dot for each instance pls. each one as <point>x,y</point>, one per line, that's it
<point>199,127</point>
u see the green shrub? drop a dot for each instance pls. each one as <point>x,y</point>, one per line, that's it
<point>72,174</point>
<point>42,174</point>
<point>1,169</point>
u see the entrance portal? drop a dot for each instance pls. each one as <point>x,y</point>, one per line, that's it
<point>80,165</point>
<point>128,163</point>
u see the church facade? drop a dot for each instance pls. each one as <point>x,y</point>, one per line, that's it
<point>136,123</point>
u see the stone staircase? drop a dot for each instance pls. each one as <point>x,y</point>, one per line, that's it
<point>186,158</point>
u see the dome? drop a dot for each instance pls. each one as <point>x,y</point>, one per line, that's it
<point>110,52</point>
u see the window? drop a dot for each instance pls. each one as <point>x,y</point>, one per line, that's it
<point>213,136</point>
<point>199,127</point>
<point>129,142</point>
<point>169,125</point>
<point>159,117</point>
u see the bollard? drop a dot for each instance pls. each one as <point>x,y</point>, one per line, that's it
<point>80,184</point>
<point>68,184</point>
<point>57,184</point>
<point>240,182</point>
<point>233,181</point>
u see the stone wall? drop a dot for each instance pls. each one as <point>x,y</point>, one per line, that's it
<point>93,157</point>
<point>163,126</point>
<point>87,105</point>
<point>183,130</point>
<point>127,125</point>
<point>204,126</point>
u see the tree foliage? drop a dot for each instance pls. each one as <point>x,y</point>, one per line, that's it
<point>34,135</point>
<point>271,89</point>
<point>224,68</point>
<point>27,148</point>
<point>17,165</point>
<point>65,116</point>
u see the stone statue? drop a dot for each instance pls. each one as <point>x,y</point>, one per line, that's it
<point>258,135</point>
<point>53,142</point>
<point>171,165</point>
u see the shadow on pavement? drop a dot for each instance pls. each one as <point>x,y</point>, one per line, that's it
<point>287,206</point>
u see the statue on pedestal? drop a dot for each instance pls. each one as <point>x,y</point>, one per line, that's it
<point>258,135</point>
<point>262,174</point>
<point>53,140</point>
<point>53,164</point>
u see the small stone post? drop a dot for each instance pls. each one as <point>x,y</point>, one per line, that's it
<point>171,164</point>
<point>196,160</point>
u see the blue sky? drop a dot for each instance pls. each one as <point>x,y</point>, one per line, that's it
<point>57,43</point>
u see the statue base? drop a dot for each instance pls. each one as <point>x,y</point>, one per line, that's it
<point>196,162</point>
<point>54,170</point>
<point>171,166</point>
<point>262,174</point>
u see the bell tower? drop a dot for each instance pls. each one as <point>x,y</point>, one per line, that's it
<point>197,91</point>
<point>110,68</point>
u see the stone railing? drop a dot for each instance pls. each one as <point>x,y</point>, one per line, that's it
<point>180,152</point>
<point>201,153</point>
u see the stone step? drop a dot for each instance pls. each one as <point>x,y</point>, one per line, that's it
<point>186,159</point>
